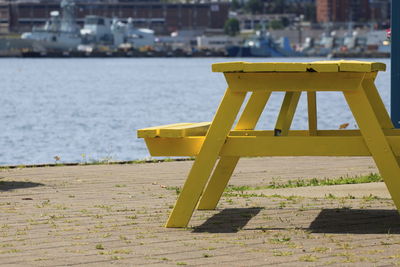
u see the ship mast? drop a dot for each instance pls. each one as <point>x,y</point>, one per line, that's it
<point>68,16</point>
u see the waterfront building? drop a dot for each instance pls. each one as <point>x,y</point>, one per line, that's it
<point>342,10</point>
<point>249,22</point>
<point>162,17</point>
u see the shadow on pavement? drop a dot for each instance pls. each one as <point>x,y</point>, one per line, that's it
<point>356,221</point>
<point>228,221</point>
<point>12,185</point>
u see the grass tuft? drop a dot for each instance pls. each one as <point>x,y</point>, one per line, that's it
<point>99,246</point>
<point>176,188</point>
<point>371,178</point>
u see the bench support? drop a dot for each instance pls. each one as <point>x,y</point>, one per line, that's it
<point>312,113</point>
<point>286,113</point>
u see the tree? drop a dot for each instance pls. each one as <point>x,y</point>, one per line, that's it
<point>254,6</point>
<point>276,25</point>
<point>231,27</point>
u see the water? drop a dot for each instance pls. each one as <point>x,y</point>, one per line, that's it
<point>89,109</point>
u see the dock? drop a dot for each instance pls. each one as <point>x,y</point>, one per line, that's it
<point>115,214</point>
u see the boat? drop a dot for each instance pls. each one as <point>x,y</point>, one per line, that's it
<point>262,44</point>
<point>128,34</point>
<point>100,31</point>
<point>60,33</point>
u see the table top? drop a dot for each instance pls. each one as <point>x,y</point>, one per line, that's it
<point>316,66</point>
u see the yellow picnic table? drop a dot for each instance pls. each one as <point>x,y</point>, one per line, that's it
<point>209,142</point>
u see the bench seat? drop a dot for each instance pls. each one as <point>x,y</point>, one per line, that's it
<point>176,130</point>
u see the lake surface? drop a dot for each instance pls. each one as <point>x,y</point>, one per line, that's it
<point>89,109</point>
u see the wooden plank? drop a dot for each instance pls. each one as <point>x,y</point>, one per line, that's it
<point>360,66</point>
<point>193,129</point>
<point>286,113</point>
<point>236,66</point>
<point>353,65</point>
<point>155,131</point>
<point>308,81</point>
<point>388,132</point>
<point>323,66</point>
<point>274,67</point>
<point>312,112</point>
<point>180,147</point>
<point>263,146</point>
<point>317,66</point>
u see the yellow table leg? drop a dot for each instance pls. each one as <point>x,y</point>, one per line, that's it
<point>312,112</point>
<point>286,113</point>
<point>205,160</point>
<point>377,104</point>
<point>226,165</point>
<point>364,112</point>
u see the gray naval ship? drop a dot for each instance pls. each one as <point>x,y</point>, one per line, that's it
<point>61,33</point>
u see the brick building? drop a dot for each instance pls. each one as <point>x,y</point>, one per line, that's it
<point>380,10</point>
<point>162,17</point>
<point>4,17</point>
<point>342,10</point>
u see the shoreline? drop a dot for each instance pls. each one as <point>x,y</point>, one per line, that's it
<point>173,54</point>
<point>126,162</point>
